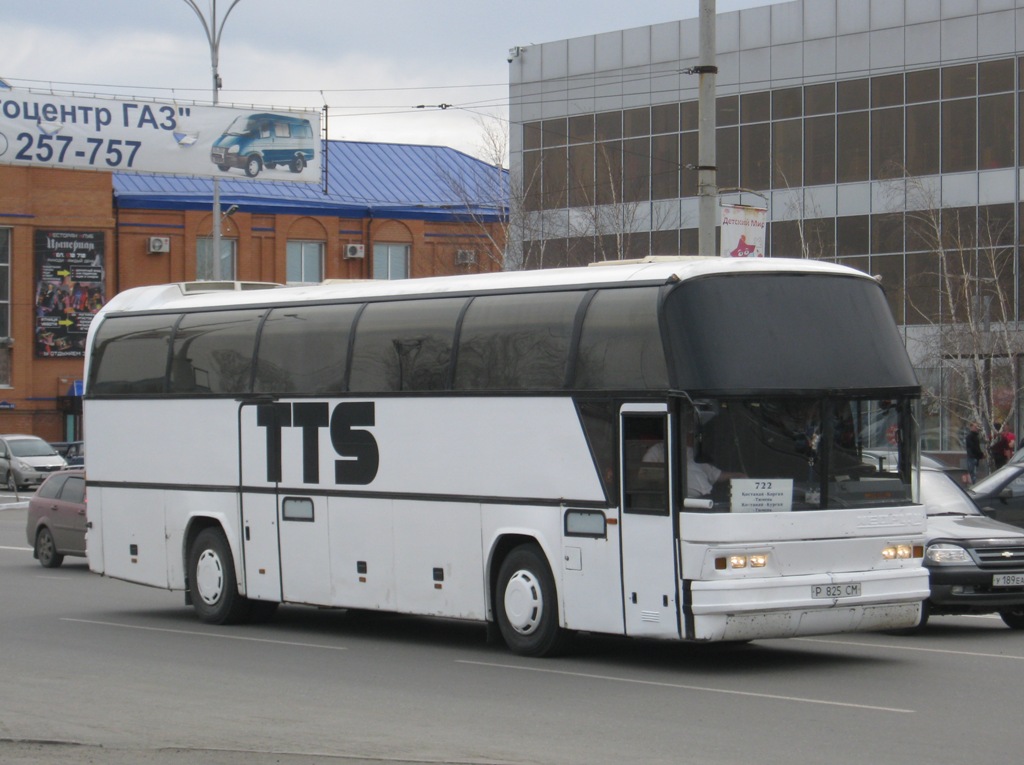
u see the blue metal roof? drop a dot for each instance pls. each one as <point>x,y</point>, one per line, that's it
<point>363,180</point>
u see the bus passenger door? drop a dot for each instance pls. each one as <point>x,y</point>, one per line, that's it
<point>260,460</point>
<point>647,531</point>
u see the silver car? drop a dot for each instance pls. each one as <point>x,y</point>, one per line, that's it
<point>26,461</point>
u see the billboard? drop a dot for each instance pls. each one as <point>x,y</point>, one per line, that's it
<point>70,289</point>
<point>743,231</point>
<point>46,130</point>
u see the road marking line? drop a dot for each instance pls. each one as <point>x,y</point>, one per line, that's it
<point>680,686</point>
<point>203,634</point>
<point>888,646</point>
<point>27,549</point>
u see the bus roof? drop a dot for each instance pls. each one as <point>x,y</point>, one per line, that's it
<point>652,270</point>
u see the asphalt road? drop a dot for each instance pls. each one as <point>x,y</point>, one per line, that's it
<point>99,671</point>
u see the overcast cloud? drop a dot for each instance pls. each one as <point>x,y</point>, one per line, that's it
<point>371,63</point>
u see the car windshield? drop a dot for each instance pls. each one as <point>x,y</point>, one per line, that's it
<point>31,447</point>
<point>941,496</point>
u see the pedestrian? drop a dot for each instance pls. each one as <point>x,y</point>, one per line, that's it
<point>974,453</point>
<point>1002,446</point>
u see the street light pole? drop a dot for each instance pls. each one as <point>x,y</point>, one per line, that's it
<point>213,31</point>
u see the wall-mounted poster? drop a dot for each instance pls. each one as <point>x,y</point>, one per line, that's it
<point>70,289</point>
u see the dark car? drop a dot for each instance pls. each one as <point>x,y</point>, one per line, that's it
<point>56,518</point>
<point>73,452</point>
<point>1001,494</point>
<point>975,564</point>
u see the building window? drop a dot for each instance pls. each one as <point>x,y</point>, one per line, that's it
<point>390,261</point>
<point>5,306</point>
<point>305,262</point>
<point>204,259</point>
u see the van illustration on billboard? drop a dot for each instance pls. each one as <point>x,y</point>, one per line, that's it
<point>264,140</point>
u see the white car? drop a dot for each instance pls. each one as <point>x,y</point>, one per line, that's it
<point>26,461</point>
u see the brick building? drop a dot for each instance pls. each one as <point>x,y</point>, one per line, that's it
<point>71,239</point>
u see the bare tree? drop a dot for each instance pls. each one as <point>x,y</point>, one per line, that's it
<point>960,297</point>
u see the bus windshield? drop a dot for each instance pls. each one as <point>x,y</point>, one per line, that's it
<point>819,453</point>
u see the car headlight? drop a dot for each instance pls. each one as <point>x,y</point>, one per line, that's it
<point>947,554</point>
<point>233,149</point>
<point>22,466</point>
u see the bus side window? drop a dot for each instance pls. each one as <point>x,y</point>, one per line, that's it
<point>645,476</point>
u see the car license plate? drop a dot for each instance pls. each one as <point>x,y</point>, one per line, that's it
<point>848,590</point>
<point>1008,580</point>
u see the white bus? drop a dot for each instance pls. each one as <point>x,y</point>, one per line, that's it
<point>667,448</point>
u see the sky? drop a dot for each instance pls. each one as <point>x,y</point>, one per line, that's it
<point>384,68</point>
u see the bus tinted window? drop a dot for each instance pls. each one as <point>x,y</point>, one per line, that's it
<point>303,349</point>
<point>516,342</point>
<point>130,355</point>
<point>213,351</point>
<point>405,345</point>
<point>620,346</point>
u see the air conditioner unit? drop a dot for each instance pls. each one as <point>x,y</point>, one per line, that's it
<point>465,257</point>
<point>354,251</point>
<point>159,244</point>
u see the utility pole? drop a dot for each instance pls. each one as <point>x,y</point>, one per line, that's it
<point>707,173</point>
<point>213,31</point>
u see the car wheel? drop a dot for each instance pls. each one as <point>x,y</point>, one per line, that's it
<point>298,164</point>
<point>527,604</point>
<point>253,165</point>
<point>46,549</point>
<point>1013,617</point>
<point>223,168</point>
<point>212,583</point>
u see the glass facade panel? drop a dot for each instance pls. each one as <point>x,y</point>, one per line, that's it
<point>664,167</point>
<point>581,129</point>
<point>851,95</point>
<point>555,132</point>
<point>636,174</point>
<point>887,143</point>
<point>727,110</point>
<point>887,90</point>
<point>755,107</point>
<point>636,122</point>
<point>923,139</point>
<point>922,85</point>
<point>995,76</point>
<point>581,175</point>
<point>959,81</point>
<point>755,156</point>
<point>852,235</point>
<point>852,147</point>
<point>819,150</point>
<point>787,151</point>
<point>820,99</point>
<point>787,103</point>
<point>555,167</point>
<point>664,119</point>
<point>995,131</point>
<point>959,136</point>
<point>727,155</point>
<point>608,126</point>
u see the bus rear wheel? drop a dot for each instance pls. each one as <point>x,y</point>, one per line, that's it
<point>527,604</point>
<point>212,582</point>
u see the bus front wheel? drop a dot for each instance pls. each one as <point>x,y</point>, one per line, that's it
<point>527,604</point>
<point>212,581</point>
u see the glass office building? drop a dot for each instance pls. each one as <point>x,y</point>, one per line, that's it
<point>883,134</point>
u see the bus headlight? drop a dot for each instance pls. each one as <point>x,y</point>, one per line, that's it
<point>902,552</point>
<point>754,560</point>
